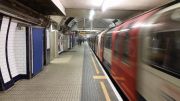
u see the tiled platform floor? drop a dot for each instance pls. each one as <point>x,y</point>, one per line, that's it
<point>59,81</point>
<point>94,79</point>
<point>70,77</point>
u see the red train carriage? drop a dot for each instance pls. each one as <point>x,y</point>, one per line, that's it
<point>143,55</point>
<point>125,55</point>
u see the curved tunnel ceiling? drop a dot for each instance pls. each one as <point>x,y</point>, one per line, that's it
<point>97,23</point>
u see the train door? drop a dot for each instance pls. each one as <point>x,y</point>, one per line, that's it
<point>99,45</point>
<point>101,49</point>
<point>37,36</point>
<point>96,45</point>
<point>123,63</point>
<point>93,43</point>
<point>107,50</point>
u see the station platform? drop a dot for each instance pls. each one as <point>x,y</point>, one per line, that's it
<point>75,75</point>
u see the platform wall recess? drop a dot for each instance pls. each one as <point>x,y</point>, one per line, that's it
<point>47,61</point>
<point>37,34</point>
<point>20,44</point>
<point>52,45</point>
<point>17,49</point>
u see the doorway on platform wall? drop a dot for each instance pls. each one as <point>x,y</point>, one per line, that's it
<point>38,54</point>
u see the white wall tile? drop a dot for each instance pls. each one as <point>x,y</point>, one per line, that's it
<point>11,48</point>
<point>3,63</point>
<point>17,49</point>
<point>20,50</point>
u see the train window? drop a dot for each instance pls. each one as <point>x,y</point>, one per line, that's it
<point>125,50</point>
<point>0,21</point>
<point>101,44</point>
<point>163,48</point>
<point>116,46</point>
<point>107,41</point>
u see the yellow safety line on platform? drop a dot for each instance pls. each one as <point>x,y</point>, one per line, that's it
<point>99,77</point>
<point>97,71</point>
<point>105,91</point>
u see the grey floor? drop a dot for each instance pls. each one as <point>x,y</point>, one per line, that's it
<point>68,78</point>
<point>91,88</point>
<point>59,81</point>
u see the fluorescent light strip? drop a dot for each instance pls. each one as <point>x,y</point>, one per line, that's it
<point>104,6</point>
<point>59,5</point>
<point>90,30</point>
<point>91,15</point>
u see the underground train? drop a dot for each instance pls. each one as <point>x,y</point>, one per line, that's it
<point>142,55</point>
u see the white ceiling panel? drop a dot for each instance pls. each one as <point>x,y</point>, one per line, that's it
<point>114,4</point>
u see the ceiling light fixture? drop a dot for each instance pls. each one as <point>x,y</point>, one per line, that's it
<point>59,5</point>
<point>108,4</point>
<point>104,5</point>
<point>97,3</point>
<point>91,15</point>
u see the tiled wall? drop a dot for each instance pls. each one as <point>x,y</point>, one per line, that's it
<point>3,63</point>
<point>17,49</point>
<point>48,39</point>
<point>20,50</point>
<point>11,48</point>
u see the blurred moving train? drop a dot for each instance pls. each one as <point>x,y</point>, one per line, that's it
<point>142,55</point>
